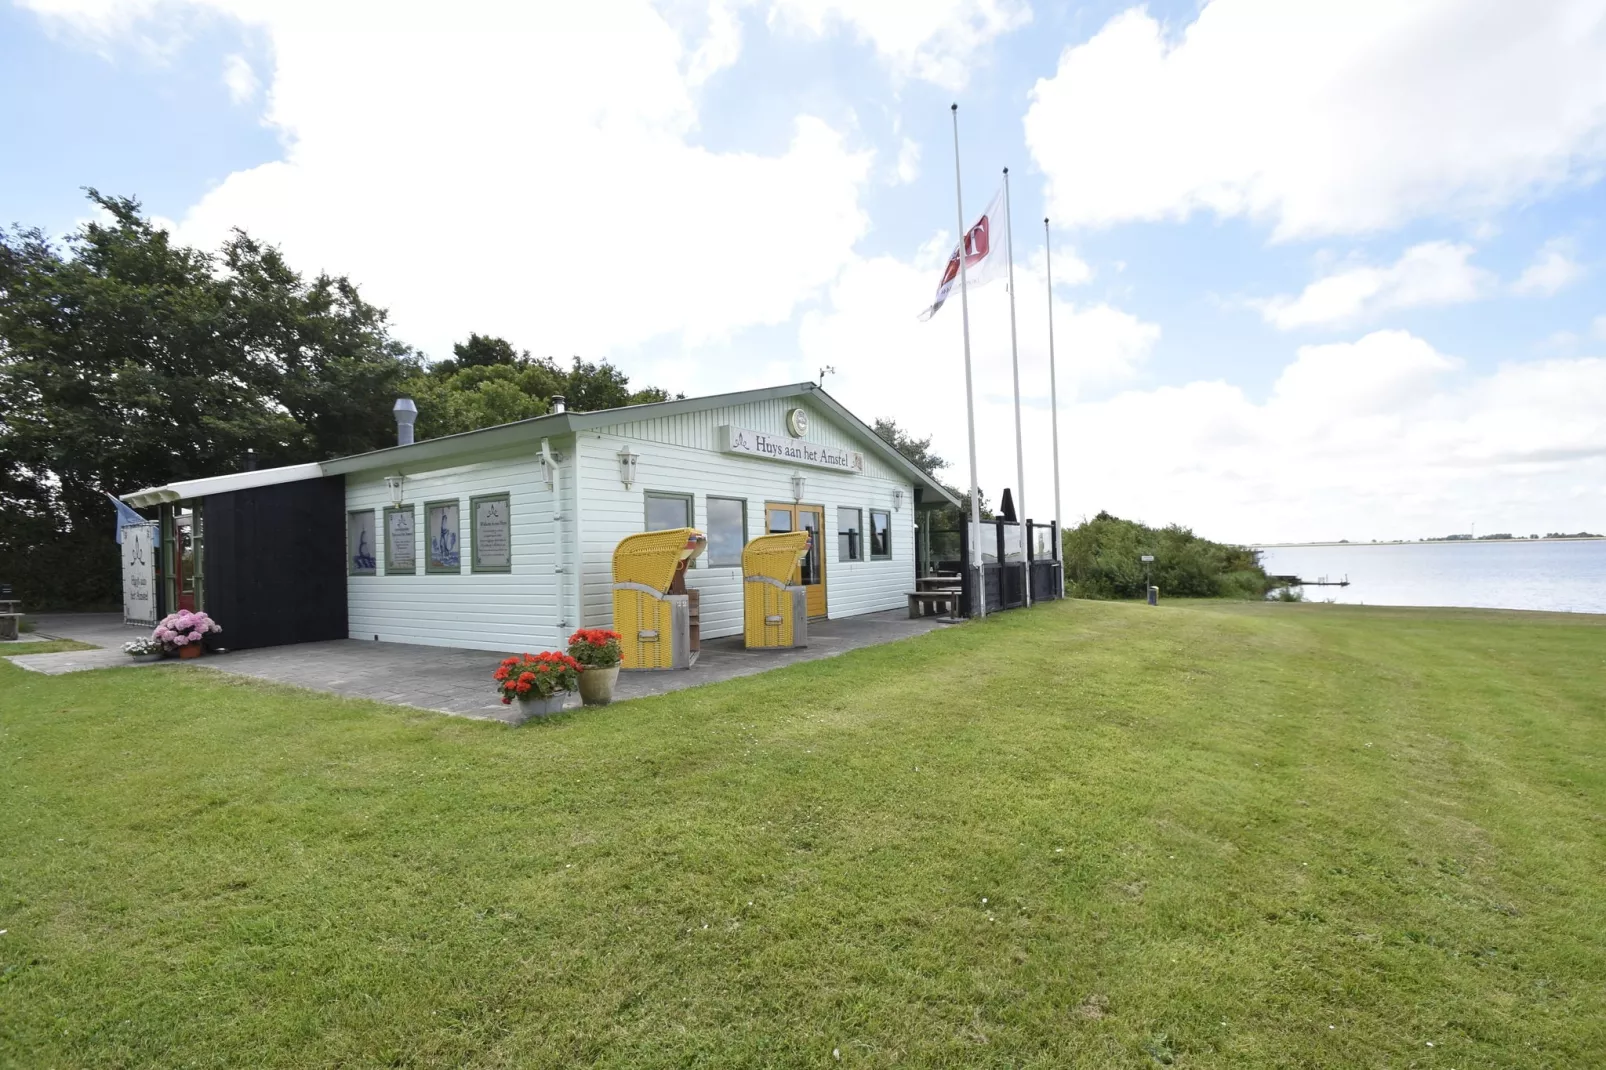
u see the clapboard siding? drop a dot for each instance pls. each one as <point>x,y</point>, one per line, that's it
<point>700,430</point>
<point>679,455</point>
<point>517,610</point>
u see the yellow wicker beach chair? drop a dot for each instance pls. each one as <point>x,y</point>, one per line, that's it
<point>654,625</point>
<point>774,613</point>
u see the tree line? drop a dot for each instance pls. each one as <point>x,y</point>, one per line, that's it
<point>128,360</point>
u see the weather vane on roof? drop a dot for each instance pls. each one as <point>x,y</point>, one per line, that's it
<point>827,370</point>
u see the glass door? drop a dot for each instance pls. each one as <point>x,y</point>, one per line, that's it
<point>810,573</point>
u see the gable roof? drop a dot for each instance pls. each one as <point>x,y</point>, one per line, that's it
<point>557,423</point>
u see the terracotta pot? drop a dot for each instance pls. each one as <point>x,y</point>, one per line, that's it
<point>190,650</point>
<point>596,685</point>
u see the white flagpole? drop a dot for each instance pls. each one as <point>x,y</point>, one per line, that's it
<point>1014,360</point>
<point>980,608</point>
<point>1054,406</point>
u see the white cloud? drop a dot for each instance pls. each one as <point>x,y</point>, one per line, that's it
<point>908,161</point>
<point>528,171</point>
<point>1324,117</point>
<point>240,79</point>
<point>1598,328</point>
<point>1432,273</point>
<point>890,364</point>
<point>1552,269</point>
<point>1380,438</point>
<point>937,41</point>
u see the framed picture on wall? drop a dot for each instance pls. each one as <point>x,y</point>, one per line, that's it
<point>442,529</point>
<point>491,533</point>
<point>401,543</point>
<point>360,544</point>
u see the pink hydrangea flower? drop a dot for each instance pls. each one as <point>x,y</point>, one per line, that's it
<point>195,637</point>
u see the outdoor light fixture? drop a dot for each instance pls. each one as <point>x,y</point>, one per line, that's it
<point>627,466</point>
<point>798,483</point>
<point>395,484</point>
<point>897,498</point>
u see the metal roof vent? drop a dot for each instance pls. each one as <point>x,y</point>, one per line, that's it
<point>405,412</point>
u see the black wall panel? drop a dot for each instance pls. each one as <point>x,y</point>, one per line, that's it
<point>276,563</point>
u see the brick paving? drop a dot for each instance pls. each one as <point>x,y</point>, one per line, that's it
<point>447,679</point>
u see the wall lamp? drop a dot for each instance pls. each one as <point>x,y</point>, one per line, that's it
<point>897,498</point>
<point>627,466</point>
<point>798,486</point>
<point>396,485</point>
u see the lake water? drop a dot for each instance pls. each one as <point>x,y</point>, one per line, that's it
<point>1561,576</point>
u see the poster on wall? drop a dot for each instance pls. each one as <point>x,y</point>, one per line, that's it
<point>444,551</point>
<point>360,542</point>
<point>401,552</point>
<point>492,535</point>
<point>139,574</point>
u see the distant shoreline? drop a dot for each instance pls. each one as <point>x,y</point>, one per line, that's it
<point>1414,542</point>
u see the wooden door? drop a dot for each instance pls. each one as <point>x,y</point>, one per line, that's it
<point>810,573</point>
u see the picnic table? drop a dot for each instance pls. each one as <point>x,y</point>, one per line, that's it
<point>934,595</point>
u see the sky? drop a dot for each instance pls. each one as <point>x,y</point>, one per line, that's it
<point>1321,270</point>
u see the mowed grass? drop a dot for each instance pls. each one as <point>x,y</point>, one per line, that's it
<point>43,646</point>
<point>1088,835</point>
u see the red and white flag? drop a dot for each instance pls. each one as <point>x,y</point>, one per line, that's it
<point>984,254</point>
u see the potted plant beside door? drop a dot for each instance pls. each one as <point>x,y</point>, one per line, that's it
<point>598,652</point>
<point>184,632</point>
<point>539,682</point>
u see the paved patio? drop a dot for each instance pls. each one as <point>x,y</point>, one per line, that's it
<point>447,679</point>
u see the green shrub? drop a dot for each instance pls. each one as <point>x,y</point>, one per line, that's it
<point>1104,559</point>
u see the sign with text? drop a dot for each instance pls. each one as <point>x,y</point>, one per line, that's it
<point>750,443</point>
<point>401,554</point>
<point>139,574</point>
<point>493,550</point>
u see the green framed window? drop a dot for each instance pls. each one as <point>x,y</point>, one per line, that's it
<point>727,531</point>
<point>361,549</point>
<point>880,535</point>
<point>490,533</point>
<point>443,537</point>
<point>401,541</point>
<point>667,509</point>
<point>849,533</point>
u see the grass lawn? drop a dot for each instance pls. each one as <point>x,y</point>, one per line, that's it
<point>1091,835</point>
<point>43,646</point>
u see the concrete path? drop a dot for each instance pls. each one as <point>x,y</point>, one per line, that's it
<point>446,679</point>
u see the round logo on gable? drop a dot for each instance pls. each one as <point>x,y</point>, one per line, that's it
<point>797,422</point>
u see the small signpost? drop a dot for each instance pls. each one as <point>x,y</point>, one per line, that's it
<point>1148,586</point>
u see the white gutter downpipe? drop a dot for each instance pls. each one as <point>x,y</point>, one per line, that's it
<point>557,531</point>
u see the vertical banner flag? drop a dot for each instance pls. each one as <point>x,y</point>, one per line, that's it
<point>984,255</point>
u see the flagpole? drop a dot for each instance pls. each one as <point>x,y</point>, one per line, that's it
<point>1054,406</point>
<point>974,536</point>
<point>1014,360</point>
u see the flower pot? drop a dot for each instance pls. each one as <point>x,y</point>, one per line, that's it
<point>190,650</point>
<point>539,707</point>
<point>596,685</point>
<point>140,659</point>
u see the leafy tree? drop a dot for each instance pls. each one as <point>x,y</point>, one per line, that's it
<point>917,451</point>
<point>127,360</point>
<point>488,382</point>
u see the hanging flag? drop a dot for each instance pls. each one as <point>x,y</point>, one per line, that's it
<point>984,254</point>
<point>125,516</point>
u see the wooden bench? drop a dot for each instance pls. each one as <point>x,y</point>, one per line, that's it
<point>930,603</point>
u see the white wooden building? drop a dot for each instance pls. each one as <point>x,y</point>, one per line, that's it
<point>552,496</point>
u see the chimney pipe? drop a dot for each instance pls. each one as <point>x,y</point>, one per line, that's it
<point>251,460</point>
<point>558,403</point>
<point>405,412</point>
